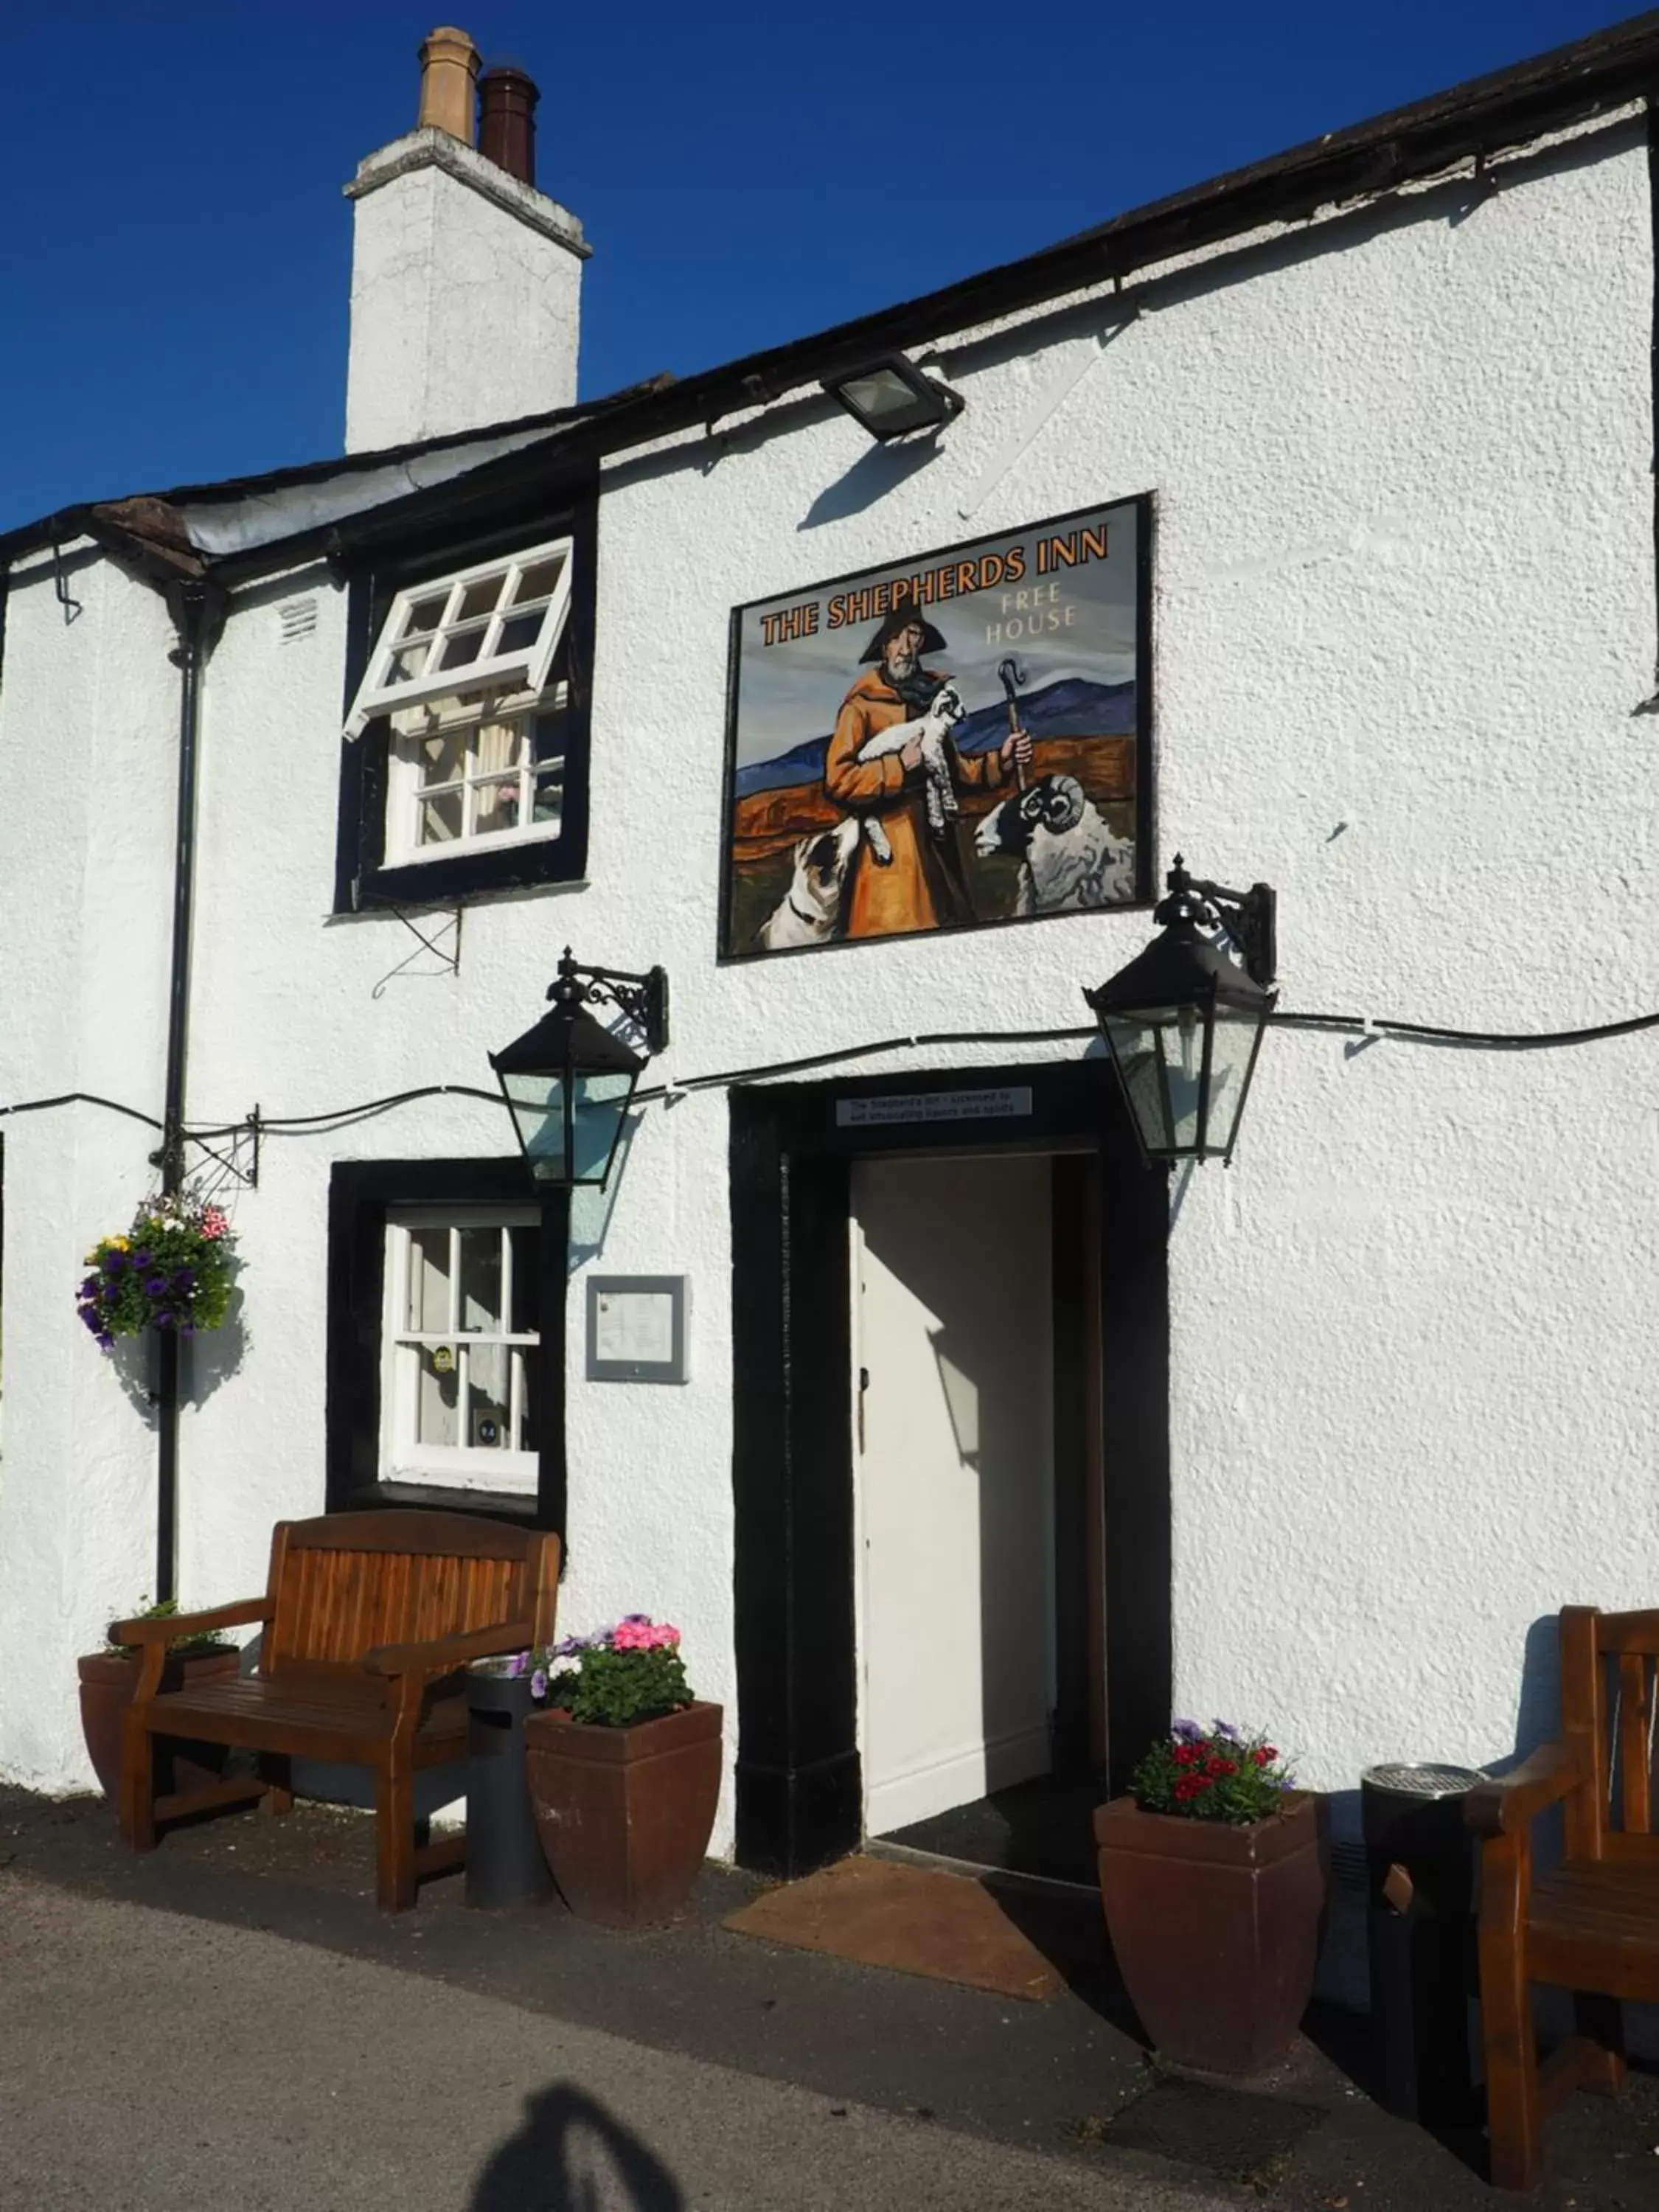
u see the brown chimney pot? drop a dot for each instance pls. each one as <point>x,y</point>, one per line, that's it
<point>449,75</point>
<point>506,121</point>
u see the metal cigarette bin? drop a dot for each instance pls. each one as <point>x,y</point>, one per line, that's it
<point>1419,1936</point>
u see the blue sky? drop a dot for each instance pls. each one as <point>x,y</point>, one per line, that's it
<point>175,259</point>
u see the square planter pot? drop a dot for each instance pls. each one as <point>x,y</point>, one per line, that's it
<point>624,1814</point>
<point>108,1679</point>
<point>1215,1928</point>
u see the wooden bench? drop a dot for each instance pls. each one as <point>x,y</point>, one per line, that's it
<point>1592,1925</point>
<point>368,1618</point>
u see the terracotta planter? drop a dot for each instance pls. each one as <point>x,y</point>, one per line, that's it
<point>108,1679</point>
<point>1215,1929</point>
<point>624,1813</point>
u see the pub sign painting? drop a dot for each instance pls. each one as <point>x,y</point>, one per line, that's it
<point>951,741</point>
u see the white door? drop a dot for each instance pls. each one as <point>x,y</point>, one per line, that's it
<point>953,1436</point>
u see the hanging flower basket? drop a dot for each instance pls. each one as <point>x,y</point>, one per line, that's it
<point>173,1269</point>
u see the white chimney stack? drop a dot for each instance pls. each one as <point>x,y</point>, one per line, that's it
<point>466,280</point>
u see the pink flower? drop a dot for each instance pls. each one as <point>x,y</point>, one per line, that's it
<point>638,1633</point>
<point>214,1222</point>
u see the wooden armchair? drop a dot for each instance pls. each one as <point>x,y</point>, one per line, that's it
<point>368,1618</point>
<point>1592,1926</point>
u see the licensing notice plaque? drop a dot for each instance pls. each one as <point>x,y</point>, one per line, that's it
<point>636,1328</point>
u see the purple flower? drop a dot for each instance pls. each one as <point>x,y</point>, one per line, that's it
<point>572,1647</point>
<point>114,1262</point>
<point>1187,1731</point>
<point>538,1684</point>
<point>107,1340</point>
<point>185,1280</point>
<point>516,1664</point>
<point>91,1287</point>
<point>186,1328</point>
<point>145,1258</point>
<point>89,1315</point>
<point>636,1621</point>
<point>154,1285</point>
<point>1226,1728</point>
<point>163,1319</point>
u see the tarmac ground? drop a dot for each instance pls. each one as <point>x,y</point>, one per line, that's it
<point>229,2020</point>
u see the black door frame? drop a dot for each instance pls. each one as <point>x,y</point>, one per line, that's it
<point>799,1787</point>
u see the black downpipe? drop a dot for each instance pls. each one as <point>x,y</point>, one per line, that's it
<point>196,606</point>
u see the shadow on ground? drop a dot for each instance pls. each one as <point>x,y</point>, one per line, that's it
<point>571,2154</point>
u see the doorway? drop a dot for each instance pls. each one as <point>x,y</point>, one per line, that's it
<point>978,1482</point>
<point>1068,1326</point>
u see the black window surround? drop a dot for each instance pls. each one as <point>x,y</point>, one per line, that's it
<point>361,1192</point>
<point>362,880</point>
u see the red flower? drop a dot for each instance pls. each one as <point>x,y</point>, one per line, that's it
<point>1190,1786</point>
<point>1264,1754</point>
<point>1214,1765</point>
<point>1187,1754</point>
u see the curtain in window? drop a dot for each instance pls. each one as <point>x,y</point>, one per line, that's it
<point>498,751</point>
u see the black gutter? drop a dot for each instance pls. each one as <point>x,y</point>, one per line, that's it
<point>198,607</point>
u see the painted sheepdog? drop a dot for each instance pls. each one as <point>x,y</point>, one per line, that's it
<point>931,727</point>
<point>1068,857</point>
<point>809,911</point>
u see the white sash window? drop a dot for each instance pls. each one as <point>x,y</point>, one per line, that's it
<point>458,1384</point>
<point>493,628</point>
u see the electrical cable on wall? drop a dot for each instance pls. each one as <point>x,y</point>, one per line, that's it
<point>1354,1024</point>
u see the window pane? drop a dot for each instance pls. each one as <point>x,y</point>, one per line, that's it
<point>548,734</point>
<point>526,1243</point>
<point>437,1396</point>
<point>539,582</point>
<point>520,633</point>
<point>479,599</point>
<point>498,747</point>
<point>443,758</point>
<point>489,1413</point>
<point>425,614</point>
<point>495,807</point>
<point>549,803</point>
<point>407,663</point>
<point>529,1425</point>
<point>465,646</point>
<point>480,1278</point>
<point>428,1281</point>
<point>440,819</point>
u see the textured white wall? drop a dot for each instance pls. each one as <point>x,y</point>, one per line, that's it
<point>87,799</point>
<point>1405,608</point>
<point>466,295</point>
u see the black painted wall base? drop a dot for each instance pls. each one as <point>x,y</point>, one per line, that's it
<point>791,1820</point>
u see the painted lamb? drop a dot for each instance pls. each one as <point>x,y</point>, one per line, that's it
<point>931,728</point>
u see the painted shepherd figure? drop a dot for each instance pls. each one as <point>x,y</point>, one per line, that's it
<point>925,884</point>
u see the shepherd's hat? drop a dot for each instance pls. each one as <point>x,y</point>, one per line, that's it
<point>906,612</point>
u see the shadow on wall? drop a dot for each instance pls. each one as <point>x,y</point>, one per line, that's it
<point>207,1360</point>
<point>570,2155</point>
<point>870,478</point>
<point>591,1208</point>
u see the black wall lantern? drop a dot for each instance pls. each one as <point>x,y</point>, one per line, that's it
<point>568,1083</point>
<point>890,396</point>
<point>1183,1021</point>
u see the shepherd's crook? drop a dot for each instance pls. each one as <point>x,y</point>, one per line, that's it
<point>1013,675</point>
